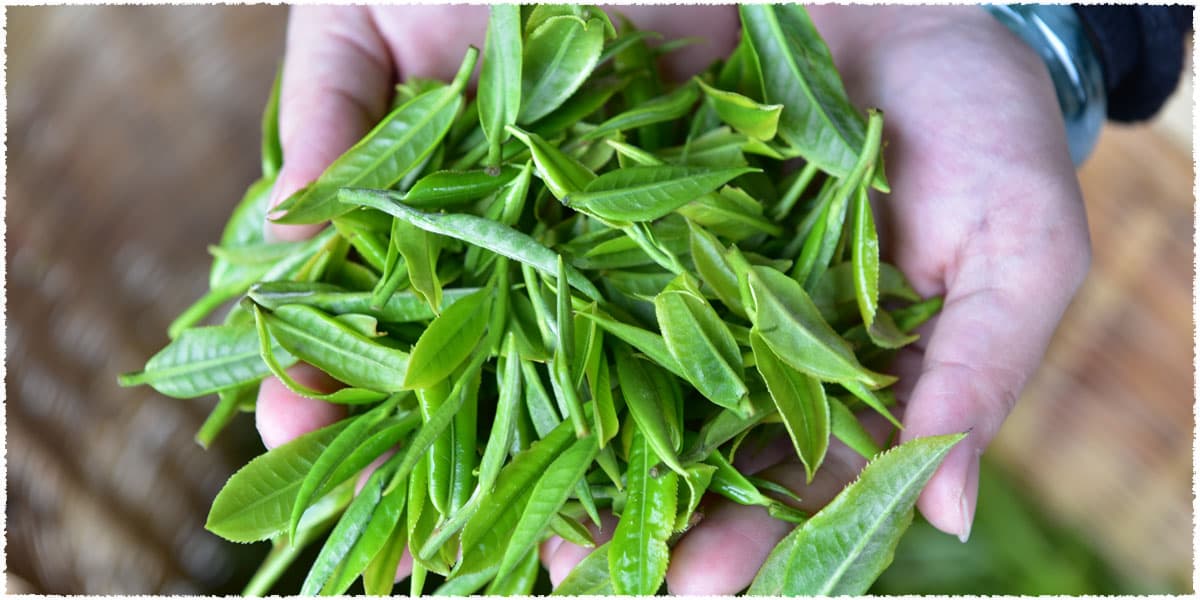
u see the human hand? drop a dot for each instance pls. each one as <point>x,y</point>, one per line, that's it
<point>985,210</point>
<point>973,131</point>
<point>338,77</point>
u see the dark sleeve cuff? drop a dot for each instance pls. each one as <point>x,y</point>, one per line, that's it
<point>1141,51</point>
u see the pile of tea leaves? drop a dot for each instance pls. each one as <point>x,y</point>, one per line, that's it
<point>578,292</point>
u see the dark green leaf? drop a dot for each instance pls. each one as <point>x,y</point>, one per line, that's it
<point>801,402</point>
<point>647,193</point>
<point>397,146</point>
<point>559,56</point>
<point>448,188</point>
<point>637,557</point>
<point>499,90</point>
<point>204,360</point>
<point>845,546</point>
<point>792,327</point>
<point>487,234</point>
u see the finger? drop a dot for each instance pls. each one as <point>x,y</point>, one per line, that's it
<point>404,569</point>
<point>430,40</point>
<point>1000,312</point>
<point>560,556</point>
<point>282,415</point>
<point>722,554</point>
<point>715,27</point>
<point>336,83</point>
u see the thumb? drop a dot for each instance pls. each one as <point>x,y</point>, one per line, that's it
<point>336,83</point>
<point>999,315</point>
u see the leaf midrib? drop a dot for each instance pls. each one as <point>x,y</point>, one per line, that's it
<point>772,21</point>
<point>421,124</point>
<point>539,88</point>
<point>863,540</point>
<point>359,358</point>
<point>707,343</point>
<point>808,335</point>
<point>190,367</point>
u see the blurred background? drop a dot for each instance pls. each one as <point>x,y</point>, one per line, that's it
<point>132,131</point>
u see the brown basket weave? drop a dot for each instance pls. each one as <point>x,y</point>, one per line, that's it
<point>132,132</point>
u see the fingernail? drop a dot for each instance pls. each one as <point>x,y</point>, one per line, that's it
<point>269,232</point>
<point>964,514</point>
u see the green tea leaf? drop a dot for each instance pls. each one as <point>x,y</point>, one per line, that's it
<point>637,557</point>
<point>699,477</point>
<point>701,343</point>
<point>335,348</point>
<point>561,173</point>
<point>651,408</point>
<point>244,228</point>
<point>257,501</point>
<point>521,580</point>
<point>559,55</point>
<point>668,107</point>
<point>361,531</point>
<point>759,121</point>
<point>715,270</point>
<point>517,477</point>
<point>817,120</point>
<point>647,193</point>
<point>379,576</point>
<point>443,189</point>
<point>478,231</point>
<point>792,327</point>
<point>865,260</point>
<point>499,90</point>
<point>845,546</point>
<point>204,360</point>
<point>646,342</point>
<point>395,147</point>
<point>337,451</point>
<point>272,150</point>
<point>846,427</point>
<point>223,413</point>
<point>590,577</point>
<point>448,341</point>
<point>548,496</point>
<point>401,307</point>
<point>801,402</point>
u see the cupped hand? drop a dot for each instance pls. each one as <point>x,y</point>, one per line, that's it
<point>985,210</point>
<point>339,73</point>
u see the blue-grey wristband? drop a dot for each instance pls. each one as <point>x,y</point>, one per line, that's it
<point>1056,33</point>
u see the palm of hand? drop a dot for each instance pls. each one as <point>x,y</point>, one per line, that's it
<point>985,211</point>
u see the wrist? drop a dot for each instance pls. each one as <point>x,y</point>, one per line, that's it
<point>1059,37</point>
